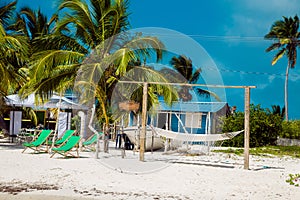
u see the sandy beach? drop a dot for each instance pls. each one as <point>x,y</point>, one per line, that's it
<point>217,176</point>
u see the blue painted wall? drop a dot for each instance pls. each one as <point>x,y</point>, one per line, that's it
<point>174,125</point>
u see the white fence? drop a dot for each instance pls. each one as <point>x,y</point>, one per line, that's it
<point>287,142</point>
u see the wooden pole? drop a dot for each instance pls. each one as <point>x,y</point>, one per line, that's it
<point>144,117</point>
<point>247,128</point>
<point>122,138</point>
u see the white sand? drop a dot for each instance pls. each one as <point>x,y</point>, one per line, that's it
<point>218,176</point>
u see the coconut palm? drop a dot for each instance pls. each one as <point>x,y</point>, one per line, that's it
<point>286,36</point>
<point>185,72</point>
<point>13,55</point>
<point>6,12</point>
<point>77,32</point>
<point>33,24</point>
<point>88,42</point>
<point>276,110</point>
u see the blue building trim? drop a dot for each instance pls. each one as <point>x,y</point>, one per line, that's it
<point>207,109</point>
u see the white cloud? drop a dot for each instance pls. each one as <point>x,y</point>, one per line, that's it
<point>271,78</point>
<point>272,6</point>
<point>294,76</point>
<point>255,17</point>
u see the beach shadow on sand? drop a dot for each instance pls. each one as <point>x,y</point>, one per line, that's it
<point>205,164</point>
<point>6,144</point>
<point>265,168</point>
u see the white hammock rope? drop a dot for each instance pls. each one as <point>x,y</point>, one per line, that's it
<point>195,137</point>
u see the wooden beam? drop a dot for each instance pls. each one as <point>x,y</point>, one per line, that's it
<point>247,128</point>
<point>144,118</point>
<point>188,84</point>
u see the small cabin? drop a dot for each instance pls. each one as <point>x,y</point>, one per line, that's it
<point>190,117</point>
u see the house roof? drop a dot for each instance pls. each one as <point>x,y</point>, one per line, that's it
<point>192,106</point>
<point>55,101</point>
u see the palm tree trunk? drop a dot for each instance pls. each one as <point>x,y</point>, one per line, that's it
<point>286,91</point>
<point>104,113</point>
<point>56,124</point>
<point>88,132</point>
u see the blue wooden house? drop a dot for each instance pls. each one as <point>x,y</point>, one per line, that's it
<point>190,117</point>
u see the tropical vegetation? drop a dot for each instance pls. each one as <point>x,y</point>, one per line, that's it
<point>83,46</point>
<point>13,56</point>
<point>185,72</point>
<point>286,36</point>
<point>266,126</point>
<point>290,129</point>
<point>267,151</point>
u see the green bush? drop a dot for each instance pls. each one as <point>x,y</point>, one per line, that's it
<point>290,129</point>
<point>264,127</point>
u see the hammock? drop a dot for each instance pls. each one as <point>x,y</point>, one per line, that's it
<point>195,137</point>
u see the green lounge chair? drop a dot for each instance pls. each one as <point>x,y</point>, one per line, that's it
<point>90,141</point>
<point>65,137</point>
<point>38,142</point>
<point>65,148</point>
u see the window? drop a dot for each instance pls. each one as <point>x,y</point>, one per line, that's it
<point>193,120</point>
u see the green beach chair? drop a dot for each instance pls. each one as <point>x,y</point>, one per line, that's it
<point>66,148</point>
<point>65,137</point>
<point>91,141</point>
<point>38,142</point>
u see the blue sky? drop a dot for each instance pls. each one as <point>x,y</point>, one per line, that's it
<point>231,31</point>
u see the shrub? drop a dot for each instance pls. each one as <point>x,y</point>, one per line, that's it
<point>294,179</point>
<point>290,129</point>
<point>264,127</point>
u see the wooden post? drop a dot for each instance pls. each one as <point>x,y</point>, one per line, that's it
<point>144,118</point>
<point>97,146</point>
<point>122,138</point>
<point>247,128</point>
<point>246,122</point>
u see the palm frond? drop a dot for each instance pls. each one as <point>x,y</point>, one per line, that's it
<point>195,76</point>
<point>286,34</point>
<point>146,74</point>
<point>46,61</point>
<point>13,55</point>
<point>208,93</point>
<point>278,56</point>
<point>274,46</point>
<point>59,79</point>
<point>58,42</point>
<point>6,12</point>
<point>144,45</point>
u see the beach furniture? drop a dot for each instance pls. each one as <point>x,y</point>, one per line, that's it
<point>65,137</point>
<point>91,141</point>
<point>65,149</point>
<point>38,141</point>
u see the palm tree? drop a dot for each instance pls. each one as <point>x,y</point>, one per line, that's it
<point>185,72</point>
<point>13,55</point>
<point>276,110</point>
<point>6,12</point>
<point>286,35</point>
<point>33,23</point>
<point>88,42</point>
